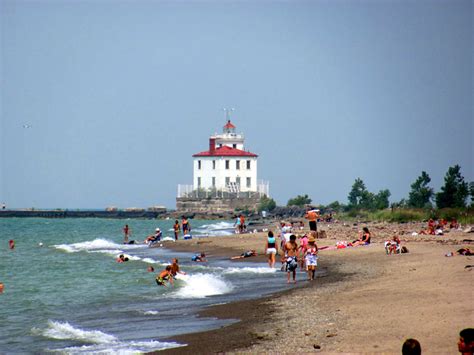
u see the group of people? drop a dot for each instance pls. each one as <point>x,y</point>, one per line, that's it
<point>437,227</point>
<point>158,235</point>
<point>169,274</point>
<point>307,251</point>
<point>239,224</point>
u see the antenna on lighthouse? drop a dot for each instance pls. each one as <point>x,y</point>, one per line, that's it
<point>228,112</point>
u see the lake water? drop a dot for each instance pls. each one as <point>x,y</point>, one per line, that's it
<point>71,296</point>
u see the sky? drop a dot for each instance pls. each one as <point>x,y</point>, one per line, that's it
<point>103,103</point>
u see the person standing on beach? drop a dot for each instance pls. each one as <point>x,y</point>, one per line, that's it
<point>312,216</point>
<point>176,229</point>
<point>271,249</point>
<point>237,225</point>
<point>311,257</point>
<point>291,250</point>
<point>126,233</point>
<point>242,223</point>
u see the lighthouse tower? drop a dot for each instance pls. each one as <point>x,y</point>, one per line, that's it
<point>224,176</point>
<point>225,165</point>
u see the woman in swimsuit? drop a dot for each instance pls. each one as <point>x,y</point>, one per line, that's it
<point>311,257</point>
<point>271,249</point>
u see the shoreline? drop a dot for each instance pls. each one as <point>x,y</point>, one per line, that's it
<point>366,296</point>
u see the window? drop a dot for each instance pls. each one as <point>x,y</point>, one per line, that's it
<point>199,164</point>
<point>213,181</point>
<point>237,180</point>
<point>248,164</point>
<point>227,181</point>
<point>249,180</point>
<point>237,164</point>
<point>214,164</point>
<point>227,163</point>
<point>199,182</point>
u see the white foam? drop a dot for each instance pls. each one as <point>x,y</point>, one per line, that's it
<point>122,348</point>
<point>214,229</point>
<point>201,285</point>
<point>149,313</point>
<point>59,330</point>
<point>101,342</point>
<point>251,270</point>
<point>95,245</point>
<point>151,261</point>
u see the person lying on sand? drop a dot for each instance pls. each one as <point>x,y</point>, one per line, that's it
<point>164,276</point>
<point>199,257</point>
<point>465,251</point>
<point>246,254</point>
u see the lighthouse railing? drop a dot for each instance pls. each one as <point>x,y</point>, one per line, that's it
<point>231,191</point>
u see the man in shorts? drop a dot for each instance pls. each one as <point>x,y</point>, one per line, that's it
<point>291,251</point>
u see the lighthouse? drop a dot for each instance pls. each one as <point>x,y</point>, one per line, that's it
<point>226,170</point>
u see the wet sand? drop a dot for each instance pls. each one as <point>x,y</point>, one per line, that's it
<point>369,302</point>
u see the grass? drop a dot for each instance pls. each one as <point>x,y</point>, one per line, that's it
<point>403,215</point>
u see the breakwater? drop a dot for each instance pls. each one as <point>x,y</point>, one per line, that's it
<point>119,214</point>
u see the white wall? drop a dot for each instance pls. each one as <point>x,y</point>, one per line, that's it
<point>220,172</point>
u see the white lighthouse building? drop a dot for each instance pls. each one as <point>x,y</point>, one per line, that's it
<point>226,168</point>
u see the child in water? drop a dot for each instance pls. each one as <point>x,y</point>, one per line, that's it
<point>164,276</point>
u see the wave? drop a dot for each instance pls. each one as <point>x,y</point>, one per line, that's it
<point>215,229</point>
<point>251,270</point>
<point>101,342</point>
<point>64,331</point>
<point>149,313</point>
<point>201,285</point>
<point>96,245</point>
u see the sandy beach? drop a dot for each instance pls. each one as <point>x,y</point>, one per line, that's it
<point>364,302</point>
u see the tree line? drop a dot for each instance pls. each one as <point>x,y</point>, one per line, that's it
<point>455,193</point>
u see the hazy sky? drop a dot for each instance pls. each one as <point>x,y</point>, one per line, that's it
<point>116,96</point>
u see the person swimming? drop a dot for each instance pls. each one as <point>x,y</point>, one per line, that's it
<point>164,276</point>
<point>122,258</point>
<point>199,257</point>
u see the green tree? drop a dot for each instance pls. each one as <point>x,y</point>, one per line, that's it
<point>335,206</point>
<point>380,201</point>
<point>358,196</point>
<point>471,188</point>
<point>455,189</point>
<point>299,200</point>
<point>266,204</point>
<point>421,194</point>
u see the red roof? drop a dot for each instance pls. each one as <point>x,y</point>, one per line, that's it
<point>229,125</point>
<point>225,151</point>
